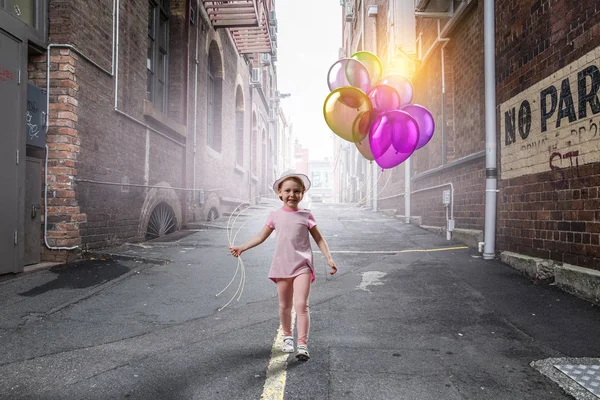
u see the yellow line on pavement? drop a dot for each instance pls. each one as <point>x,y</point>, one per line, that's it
<point>274,386</point>
<point>395,251</point>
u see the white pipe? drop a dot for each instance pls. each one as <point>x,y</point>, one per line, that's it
<point>362,33</point>
<point>374,166</point>
<point>444,131</point>
<point>116,49</point>
<point>407,190</point>
<point>450,222</point>
<point>142,185</point>
<point>195,119</point>
<point>491,171</point>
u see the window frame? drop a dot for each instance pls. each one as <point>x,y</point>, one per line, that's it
<point>157,61</point>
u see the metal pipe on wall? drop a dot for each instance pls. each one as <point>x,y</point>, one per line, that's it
<point>491,171</point>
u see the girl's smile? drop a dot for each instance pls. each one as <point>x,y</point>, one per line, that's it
<point>291,194</point>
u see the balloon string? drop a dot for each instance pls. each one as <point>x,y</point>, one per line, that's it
<point>240,263</point>
<point>367,195</point>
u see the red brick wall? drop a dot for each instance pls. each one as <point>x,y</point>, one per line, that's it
<point>550,214</point>
<point>464,123</point>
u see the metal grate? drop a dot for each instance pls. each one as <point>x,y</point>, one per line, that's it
<point>587,376</point>
<point>247,20</point>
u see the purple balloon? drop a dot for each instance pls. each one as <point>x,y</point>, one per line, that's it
<point>348,72</point>
<point>393,137</point>
<point>403,86</point>
<point>424,120</point>
<point>383,98</point>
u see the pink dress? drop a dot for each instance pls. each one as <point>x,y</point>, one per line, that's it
<point>293,254</point>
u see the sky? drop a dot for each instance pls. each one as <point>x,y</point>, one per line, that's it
<point>309,36</point>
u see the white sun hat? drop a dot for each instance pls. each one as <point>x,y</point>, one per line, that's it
<point>286,175</point>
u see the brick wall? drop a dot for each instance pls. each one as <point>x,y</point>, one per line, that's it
<point>464,125</point>
<point>548,206</point>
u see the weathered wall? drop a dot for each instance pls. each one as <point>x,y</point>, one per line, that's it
<point>548,59</point>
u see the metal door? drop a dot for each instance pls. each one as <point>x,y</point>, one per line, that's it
<point>10,115</point>
<point>33,220</point>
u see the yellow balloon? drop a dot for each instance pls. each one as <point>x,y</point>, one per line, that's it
<point>372,63</point>
<point>347,111</point>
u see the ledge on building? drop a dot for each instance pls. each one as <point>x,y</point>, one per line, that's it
<point>538,269</point>
<point>231,200</point>
<point>414,220</point>
<point>239,169</point>
<point>470,237</point>
<point>390,212</point>
<point>582,282</point>
<point>158,117</point>
<point>579,281</point>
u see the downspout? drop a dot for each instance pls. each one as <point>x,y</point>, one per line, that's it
<point>444,124</point>
<point>374,167</point>
<point>195,111</point>
<point>186,91</point>
<point>491,171</point>
<point>362,19</point>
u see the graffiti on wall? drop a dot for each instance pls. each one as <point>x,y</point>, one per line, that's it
<point>6,75</point>
<point>553,124</point>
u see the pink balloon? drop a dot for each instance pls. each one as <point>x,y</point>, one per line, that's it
<point>403,86</point>
<point>384,97</point>
<point>393,137</point>
<point>424,120</point>
<point>348,72</point>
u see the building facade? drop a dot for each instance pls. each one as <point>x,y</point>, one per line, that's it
<point>128,119</point>
<point>547,106</point>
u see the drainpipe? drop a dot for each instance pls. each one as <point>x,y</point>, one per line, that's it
<point>195,119</point>
<point>373,11</point>
<point>491,171</point>
<point>444,125</point>
<point>407,190</point>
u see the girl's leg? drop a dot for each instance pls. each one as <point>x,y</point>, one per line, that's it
<point>301,292</point>
<point>285,290</point>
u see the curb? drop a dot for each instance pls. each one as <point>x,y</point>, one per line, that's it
<point>581,282</point>
<point>126,257</point>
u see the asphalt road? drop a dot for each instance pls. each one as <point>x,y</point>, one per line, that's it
<point>409,315</point>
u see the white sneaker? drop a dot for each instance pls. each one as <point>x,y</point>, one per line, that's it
<point>288,344</point>
<point>302,353</point>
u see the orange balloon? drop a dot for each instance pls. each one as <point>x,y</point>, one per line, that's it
<point>347,111</point>
<point>360,130</point>
<point>365,148</point>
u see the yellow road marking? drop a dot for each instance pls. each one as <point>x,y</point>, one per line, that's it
<point>395,251</point>
<point>274,386</point>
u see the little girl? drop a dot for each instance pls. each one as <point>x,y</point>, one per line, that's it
<point>292,268</point>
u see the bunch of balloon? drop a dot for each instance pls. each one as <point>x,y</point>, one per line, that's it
<point>375,112</point>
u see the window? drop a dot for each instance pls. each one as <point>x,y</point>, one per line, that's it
<point>214,98</point>
<point>158,55</point>
<point>239,127</point>
<point>24,10</point>
<point>254,149</point>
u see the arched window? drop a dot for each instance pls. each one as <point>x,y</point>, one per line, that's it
<point>214,98</point>
<point>254,149</point>
<point>239,127</point>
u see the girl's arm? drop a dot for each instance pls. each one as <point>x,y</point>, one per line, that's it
<point>322,243</point>
<point>255,241</point>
